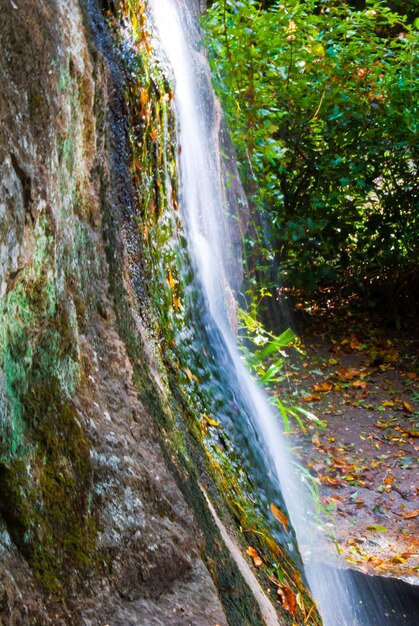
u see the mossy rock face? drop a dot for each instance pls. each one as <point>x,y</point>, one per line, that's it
<point>44,499</point>
<point>14,505</point>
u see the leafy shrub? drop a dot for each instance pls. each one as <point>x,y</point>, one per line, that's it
<point>322,103</point>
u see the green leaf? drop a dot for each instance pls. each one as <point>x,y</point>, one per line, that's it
<point>377,527</point>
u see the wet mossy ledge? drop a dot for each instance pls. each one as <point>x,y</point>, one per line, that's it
<point>195,443</point>
<point>103,348</point>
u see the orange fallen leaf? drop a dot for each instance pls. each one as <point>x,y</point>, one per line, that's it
<point>288,599</point>
<point>254,555</point>
<point>279,516</point>
<point>407,406</point>
<point>411,514</point>
<point>329,480</point>
<point>311,398</point>
<point>411,375</point>
<point>388,403</point>
<point>316,441</point>
<point>359,384</point>
<point>399,559</point>
<point>333,500</point>
<point>323,387</point>
<point>389,480</point>
<point>339,462</point>
<point>347,374</point>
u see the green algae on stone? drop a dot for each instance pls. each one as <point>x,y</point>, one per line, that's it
<point>36,332</point>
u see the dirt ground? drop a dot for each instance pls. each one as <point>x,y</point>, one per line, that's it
<point>359,377</point>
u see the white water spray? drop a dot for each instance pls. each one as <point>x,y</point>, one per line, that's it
<point>208,233</point>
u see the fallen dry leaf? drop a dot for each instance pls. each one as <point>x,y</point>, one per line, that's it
<point>407,406</point>
<point>288,599</point>
<point>359,384</point>
<point>411,514</point>
<point>279,516</point>
<point>399,559</point>
<point>323,387</point>
<point>329,480</point>
<point>347,374</point>
<point>311,398</point>
<point>254,555</point>
<point>315,439</point>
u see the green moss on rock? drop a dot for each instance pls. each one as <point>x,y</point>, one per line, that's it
<point>44,499</point>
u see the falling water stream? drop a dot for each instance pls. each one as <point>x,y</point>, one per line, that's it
<point>207,224</point>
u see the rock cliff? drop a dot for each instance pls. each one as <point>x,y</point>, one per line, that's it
<point>94,528</point>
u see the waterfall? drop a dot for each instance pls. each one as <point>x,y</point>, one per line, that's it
<point>207,224</point>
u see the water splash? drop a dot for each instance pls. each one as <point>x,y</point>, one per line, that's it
<point>206,216</point>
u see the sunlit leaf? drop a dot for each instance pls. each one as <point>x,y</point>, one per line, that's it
<point>170,279</point>
<point>211,422</point>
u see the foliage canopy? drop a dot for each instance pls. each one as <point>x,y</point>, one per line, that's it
<point>322,103</point>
